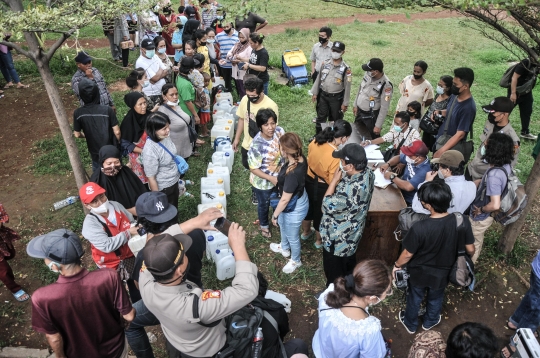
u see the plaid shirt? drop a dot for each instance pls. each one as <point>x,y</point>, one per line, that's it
<point>104,95</point>
<point>345,211</point>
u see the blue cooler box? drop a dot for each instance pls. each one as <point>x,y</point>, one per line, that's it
<point>294,66</point>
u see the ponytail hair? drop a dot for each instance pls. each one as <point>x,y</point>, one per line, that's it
<point>134,76</point>
<point>256,37</point>
<point>340,129</point>
<point>369,278</point>
<point>292,145</point>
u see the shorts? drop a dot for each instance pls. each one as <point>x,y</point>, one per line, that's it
<point>204,117</point>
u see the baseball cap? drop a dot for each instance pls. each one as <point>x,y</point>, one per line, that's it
<point>450,158</point>
<point>155,207</point>
<point>148,44</point>
<point>499,104</point>
<point>352,153</point>
<point>339,46</point>
<point>89,191</point>
<point>164,253</point>
<point>187,62</point>
<point>62,246</point>
<point>415,148</point>
<point>82,57</point>
<point>190,12</point>
<point>375,64</point>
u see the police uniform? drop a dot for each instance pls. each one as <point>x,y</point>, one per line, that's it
<point>320,54</point>
<point>372,102</point>
<point>333,88</point>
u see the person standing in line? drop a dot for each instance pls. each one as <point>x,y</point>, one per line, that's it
<point>522,73</point>
<point>242,49</point>
<point>252,21</point>
<point>7,68</point>
<point>156,71</point>
<point>332,89</point>
<point>415,88</point>
<point>85,70</point>
<point>321,51</point>
<point>257,64</point>
<point>227,40</point>
<point>168,23</point>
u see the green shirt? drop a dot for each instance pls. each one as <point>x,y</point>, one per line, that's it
<point>186,93</point>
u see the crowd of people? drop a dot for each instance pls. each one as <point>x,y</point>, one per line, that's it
<point>323,196</point>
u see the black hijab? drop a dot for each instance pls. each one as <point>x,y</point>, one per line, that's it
<point>124,187</point>
<point>189,29</point>
<point>132,126</point>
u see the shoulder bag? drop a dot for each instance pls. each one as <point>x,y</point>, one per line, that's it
<point>253,129</point>
<point>462,272</point>
<point>392,152</point>
<point>191,131</point>
<point>275,198</point>
<point>181,163</point>
<point>466,147</point>
<point>426,124</point>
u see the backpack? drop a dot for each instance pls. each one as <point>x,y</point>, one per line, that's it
<point>527,86</point>
<point>513,198</point>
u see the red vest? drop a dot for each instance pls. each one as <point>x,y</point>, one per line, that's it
<point>112,260</point>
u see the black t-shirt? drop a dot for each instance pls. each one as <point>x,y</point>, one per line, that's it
<point>259,58</point>
<point>293,182</point>
<point>433,243</point>
<point>250,22</point>
<point>525,74</point>
<point>96,122</point>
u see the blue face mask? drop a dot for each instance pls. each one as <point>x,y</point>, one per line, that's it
<point>150,53</point>
<point>161,50</point>
<point>398,129</point>
<point>146,83</point>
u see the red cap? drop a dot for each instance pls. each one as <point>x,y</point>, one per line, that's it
<point>417,148</point>
<point>89,191</point>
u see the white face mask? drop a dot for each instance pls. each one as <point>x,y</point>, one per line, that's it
<point>50,265</point>
<point>336,55</point>
<point>440,90</point>
<point>483,150</point>
<point>211,41</point>
<point>341,168</point>
<point>410,160</point>
<point>173,104</point>
<point>162,50</point>
<point>146,83</point>
<point>441,175</point>
<point>102,209</point>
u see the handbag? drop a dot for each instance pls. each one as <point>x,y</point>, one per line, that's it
<point>466,147</point>
<point>407,217</point>
<point>427,125</point>
<point>275,198</point>
<point>392,152</point>
<point>191,131</point>
<point>462,272</point>
<point>253,128</point>
<point>181,163</point>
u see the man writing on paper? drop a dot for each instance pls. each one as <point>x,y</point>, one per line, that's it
<point>416,162</point>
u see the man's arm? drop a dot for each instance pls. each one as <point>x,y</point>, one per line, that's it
<point>158,76</point>
<point>193,111</point>
<point>333,184</point>
<point>451,143</point>
<point>402,184</point>
<point>405,257</point>
<point>258,28</point>
<point>116,131</point>
<point>130,316</point>
<point>386,98</point>
<point>57,344</point>
<point>470,249</point>
<point>513,86</point>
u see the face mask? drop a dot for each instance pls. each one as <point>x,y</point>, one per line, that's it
<point>341,168</point>
<point>228,30</point>
<point>336,55</point>
<point>491,118</point>
<point>146,83</point>
<point>254,99</point>
<point>173,104</point>
<point>322,40</point>
<point>371,74</point>
<point>211,41</point>
<point>150,53</point>
<point>203,43</point>
<point>160,50</point>
<point>102,209</point>
<point>50,265</point>
<point>410,160</point>
<point>483,150</point>
<point>341,146</point>
<point>398,129</point>
<point>111,171</point>
<point>441,175</point>
<point>243,42</point>
<point>417,77</point>
<point>455,90</point>
<point>440,90</point>
<point>412,114</point>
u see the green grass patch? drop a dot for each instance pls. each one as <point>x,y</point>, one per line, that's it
<point>381,43</point>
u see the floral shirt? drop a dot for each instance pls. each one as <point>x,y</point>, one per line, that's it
<point>345,211</point>
<point>265,155</point>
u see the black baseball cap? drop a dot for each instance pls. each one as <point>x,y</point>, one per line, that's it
<point>154,207</point>
<point>190,12</point>
<point>62,246</point>
<point>352,153</point>
<point>148,44</point>
<point>338,46</point>
<point>375,64</point>
<point>164,253</point>
<point>187,62</point>
<point>499,104</point>
<point>82,57</point>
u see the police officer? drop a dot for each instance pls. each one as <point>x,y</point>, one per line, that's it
<point>321,51</point>
<point>333,86</point>
<point>372,102</point>
<point>175,301</point>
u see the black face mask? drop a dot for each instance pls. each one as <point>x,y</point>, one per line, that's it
<point>455,90</point>
<point>491,118</point>
<point>203,43</point>
<point>228,30</point>
<point>412,114</point>
<point>322,40</point>
<point>417,77</point>
<point>254,99</point>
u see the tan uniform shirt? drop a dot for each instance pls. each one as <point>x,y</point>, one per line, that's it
<point>334,79</point>
<point>320,53</point>
<point>380,91</point>
<point>173,306</point>
<point>477,167</point>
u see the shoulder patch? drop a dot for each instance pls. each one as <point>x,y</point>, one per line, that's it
<point>388,90</point>
<point>210,294</point>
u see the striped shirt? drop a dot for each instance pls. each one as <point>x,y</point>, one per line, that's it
<point>226,43</point>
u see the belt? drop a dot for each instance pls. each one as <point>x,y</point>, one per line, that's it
<point>332,94</point>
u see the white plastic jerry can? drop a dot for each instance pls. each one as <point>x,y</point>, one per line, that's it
<point>221,130</point>
<point>219,160</point>
<point>225,264</point>
<point>215,241</point>
<point>220,172</point>
<point>224,96</point>
<point>218,81</point>
<point>215,204</point>
<point>214,196</point>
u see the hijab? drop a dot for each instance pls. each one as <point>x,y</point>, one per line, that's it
<point>239,47</point>
<point>124,187</point>
<point>132,126</point>
<point>189,29</point>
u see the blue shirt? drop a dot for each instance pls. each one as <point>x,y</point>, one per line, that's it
<point>177,40</point>
<point>414,174</point>
<point>226,43</point>
<point>461,116</point>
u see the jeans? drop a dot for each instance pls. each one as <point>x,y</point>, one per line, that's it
<point>7,68</point>
<point>527,315</point>
<point>433,306</point>
<point>289,226</point>
<point>265,90</point>
<point>263,207</point>
<point>136,334</point>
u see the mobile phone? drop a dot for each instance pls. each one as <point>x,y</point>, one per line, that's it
<point>241,65</point>
<point>223,226</point>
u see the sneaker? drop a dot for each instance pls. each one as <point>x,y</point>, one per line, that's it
<point>528,136</point>
<point>401,316</point>
<point>433,325</point>
<point>277,248</point>
<point>254,200</point>
<point>291,266</point>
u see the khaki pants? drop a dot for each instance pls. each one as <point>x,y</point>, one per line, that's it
<point>478,229</point>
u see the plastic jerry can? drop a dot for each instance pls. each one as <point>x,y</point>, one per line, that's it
<point>223,105</point>
<point>215,241</point>
<point>223,159</point>
<point>220,172</point>
<point>225,264</point>
<point>224,139</point>
<point>218,81</point>
<point>225,120</point>
<point>214,196</point>
<point>136,243</point>
<point>280,298</point>
<point>221,130</point>
<point>224,96</point>
<point>212,183</point>
<point>227,148</point>
<point>217,115</point>
<point>215,204</point>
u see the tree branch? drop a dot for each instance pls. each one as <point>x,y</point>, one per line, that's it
<point>525,27</point>
<point>58,43</point>
<point>17,48</point>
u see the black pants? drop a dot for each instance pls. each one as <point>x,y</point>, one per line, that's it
<point>335,266</point>
<point>328,108</point>
<point>295,346</point>
<point>244,158</point>
<point>525,103</point>
<point>366,122</point>
<point>125,57</point>
<point>226,73</point>
<point>173,193</point>
<point>195,256</point>
<point>315,191</point>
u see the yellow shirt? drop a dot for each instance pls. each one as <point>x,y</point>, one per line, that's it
<point>206,66</point>
<point>321,162</point>
<point>253,108</point>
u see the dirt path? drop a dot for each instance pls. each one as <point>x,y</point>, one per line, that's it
<point>306,24</point>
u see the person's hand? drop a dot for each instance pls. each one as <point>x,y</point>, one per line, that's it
<point>337,176</point>
<point>476,211</point>
<point>273,180</point>
<point>399,168</point>
<point>376,130</point>
<point>246,66</point>
<point>394,269</point>
<point>438,154</point>
<point>222,62</point>
<point>384,167</point>
<point>431,175</point>
<point>133,230</point>
<point>197,119</point>
<point>365,143</point>
<point>355,110</point>
<point>235,62</point>
<point>237,237</point>
<point>314,98</point>
<point>344,109</point>
<point>274,221</point>
<point>235,145</point>
<point>206,217</point>
<point>513,98</point>
<point>88,73</point>
<point>388,174</point>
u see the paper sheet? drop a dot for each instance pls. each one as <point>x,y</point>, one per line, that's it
<point>371,147</point>
<point>374,154</point>
<point>380,181</point>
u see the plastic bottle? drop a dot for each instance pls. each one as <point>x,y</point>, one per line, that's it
<point>215,241</point>
<point>256,347</point>
<point>63,203</point>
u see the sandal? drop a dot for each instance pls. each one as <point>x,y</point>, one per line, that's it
<point>266,233</point>
<point>510,349</point>
<point>21,296</point>
<point>20,85</point>
<point>8,86</point>
<point>305,237</point>
<point>508,325</point>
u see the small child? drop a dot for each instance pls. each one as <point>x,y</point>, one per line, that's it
<point>198,82</point>
<point>204,112</point>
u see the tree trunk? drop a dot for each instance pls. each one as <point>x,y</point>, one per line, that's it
<point>512,231</point>
<point>63,122</point>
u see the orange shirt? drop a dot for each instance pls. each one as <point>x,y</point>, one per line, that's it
<point>321,162</point>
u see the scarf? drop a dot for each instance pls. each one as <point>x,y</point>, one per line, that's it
<point>239,47</point>
<point>132,126</point>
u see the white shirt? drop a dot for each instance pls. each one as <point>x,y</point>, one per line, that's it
<point>463,192</point>
<point>151,66</point>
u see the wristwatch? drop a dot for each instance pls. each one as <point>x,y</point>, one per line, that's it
<point>392,177</point>
<point>273,217</point>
